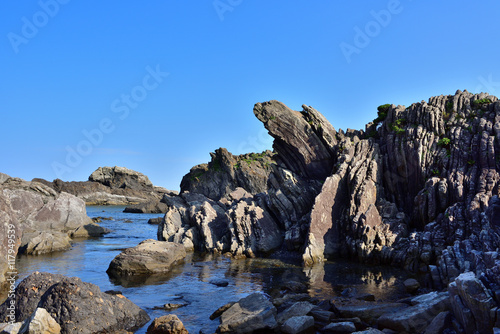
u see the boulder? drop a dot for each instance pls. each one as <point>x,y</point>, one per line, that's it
<point>411,285</point>
<point>75,305</point>
<point>296,310</point>
<point>472,304</point>
<point>369,312</point>
<point>40,322</point>
<point>9,230</point>
<point>416,319</point>
<point>167,324</point>
<point>298,324</point>
<point>439,323</point>
<point>339,327</point>
<point>147,258</point>
<point>35,243</point>
<point>252,313</point>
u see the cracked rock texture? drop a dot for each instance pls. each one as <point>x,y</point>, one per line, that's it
<point>417,189</point>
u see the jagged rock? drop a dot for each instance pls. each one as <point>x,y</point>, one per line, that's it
<point>167,324</point>
<point>41,322</point>
<point>75,305</point>
<point>243,227</point>
<point>226,172</point>
<point>298,145</point>
<point>298,324</point>
<point>416,319</point>
<point>252,313</point>
<point>472,304</point>
<point>149,257</point>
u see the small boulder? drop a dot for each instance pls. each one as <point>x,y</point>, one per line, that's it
<point>439,324</point>
<point>41,322</point>
<point>411,285</point>
<point>155,221</point>
<point>296,325</point>
<point>296,310</point>
<point>149,257</point>
<point>168,324</point>
<point>339,327</point>
<point>250,314</point>
<point>219,282</point>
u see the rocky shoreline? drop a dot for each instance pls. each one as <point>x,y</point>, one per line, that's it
<point>418,189</point>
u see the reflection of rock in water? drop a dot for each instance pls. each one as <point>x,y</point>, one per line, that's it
<point>317,285</point>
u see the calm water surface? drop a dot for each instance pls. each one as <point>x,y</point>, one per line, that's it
<point>190,283</point>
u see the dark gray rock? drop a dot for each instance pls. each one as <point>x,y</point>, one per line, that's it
<point>298,324</point>
<point>252,313</point>
<point>75,305</point>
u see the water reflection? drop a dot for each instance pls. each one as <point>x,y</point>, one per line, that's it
<point>189,283</point>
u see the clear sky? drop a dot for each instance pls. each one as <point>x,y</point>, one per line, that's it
<point>156,85</point>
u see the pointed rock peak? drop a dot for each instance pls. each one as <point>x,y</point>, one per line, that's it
<point>303,140</point>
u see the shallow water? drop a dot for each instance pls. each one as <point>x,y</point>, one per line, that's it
<point>189,283</point>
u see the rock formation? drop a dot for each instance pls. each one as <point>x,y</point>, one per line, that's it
<point>417,189</point>
<point>111,186</point>
<point>35,219</point>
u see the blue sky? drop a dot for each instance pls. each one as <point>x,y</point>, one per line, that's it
<point>155,86</point>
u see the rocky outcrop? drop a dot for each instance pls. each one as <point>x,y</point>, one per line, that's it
<point>111,186</point>
<point>75,305</point>
<point>40,219</point>
<point>240,224</point>
<point>304,140</point>
<point>147,258</point>
<point>226,172</point>
<point>418,189</point>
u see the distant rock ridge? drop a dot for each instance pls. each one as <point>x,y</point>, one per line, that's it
<point>112,186</point>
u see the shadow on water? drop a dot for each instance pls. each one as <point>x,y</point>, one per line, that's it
<point>190,283</point>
